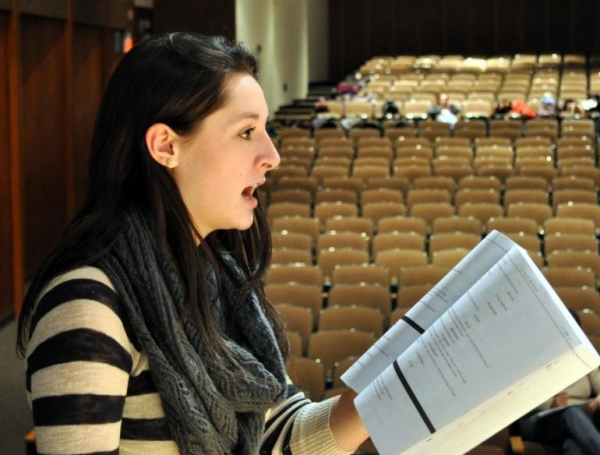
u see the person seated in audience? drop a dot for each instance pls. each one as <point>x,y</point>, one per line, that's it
<point>521,110</point>
<point>502,109</point>
<point>569,419</point>
<point>390,109</point>
<point>547,107</point>
<point>571,109</point>
<point>444,111</point>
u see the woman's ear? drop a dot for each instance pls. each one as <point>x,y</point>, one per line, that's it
<point>159,140</point>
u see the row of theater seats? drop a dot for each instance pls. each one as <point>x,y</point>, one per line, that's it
<point>368,155</point>
<point>371,285</point>
<point>512,129</point>
<point>351,240</point>
<point>418,157</point>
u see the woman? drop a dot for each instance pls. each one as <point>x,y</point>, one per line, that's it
<point>147,329</point>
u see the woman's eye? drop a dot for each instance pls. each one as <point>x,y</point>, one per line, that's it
<point>247,133</point>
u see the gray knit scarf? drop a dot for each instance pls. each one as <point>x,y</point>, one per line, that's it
<point>208,413</point>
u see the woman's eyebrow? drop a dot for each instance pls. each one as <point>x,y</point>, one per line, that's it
<point>244,115</point>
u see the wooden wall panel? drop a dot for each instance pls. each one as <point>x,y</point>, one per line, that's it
<point>202,16</point>
<point>44,176</point>
<point>91,12</point>
<point>55,59</point>
<point>88,84</point>
<point>359,29</point>
<point>56,9</point>
<point>6,240</point>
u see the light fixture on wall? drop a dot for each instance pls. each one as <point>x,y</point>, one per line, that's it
<point>122,41</point>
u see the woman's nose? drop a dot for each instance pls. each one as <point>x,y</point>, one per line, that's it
<point>271,158</point>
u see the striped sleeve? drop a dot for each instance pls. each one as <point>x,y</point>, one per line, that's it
<point>78,365</point>
<point>298,426</point>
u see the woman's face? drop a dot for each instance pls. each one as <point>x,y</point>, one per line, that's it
<point>221,164</point>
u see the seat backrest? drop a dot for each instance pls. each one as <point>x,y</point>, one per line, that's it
<point>357,224</point>
<point>480,182</point>
<point>526,182</point>
<point>482,211</point>
<point>326,210</point>
<point>297,344</point>
<point>336,195</point>
<point>378,210</point>
<point>569,276</point>
<point>585,259</point>
<point>508,224</point>
<point>362,294</point>
<point>396,259</point>
<point>282,209</point>
<point>537,211</point>
<point>573,195</point>
<point>448,257</point>
<point>570,241</point>
<point>409,295</point>
<point>448,240</point>
<point>298,318</point>
<point>329,259</point>
<point>331,346</point>
<point>580,210</point>
<point>432,210</point>
<point>402,224</point>
<point>333,239</point>
<point>340,367</point>
<point>295,195</point>
<point>381,195</point>
<point>290,273</point>
<point>456,223</point>
<point>566,224</point>
<point>301,224</point>
<point>422,274</point>
<point>361,273</point>
<point>357,317</point>
<point>296,294</point>
<point>530,242</point>
<point>525,195</point>
<point>297,240</point>
<point>579,298</point>
<point>436,182</point>
<point>467,195</point>
<point>420,195</point>
<point>281,256</point>
<point>393,240</point>
<point>308,374</point>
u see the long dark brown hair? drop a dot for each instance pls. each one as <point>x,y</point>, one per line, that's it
<point>177,79</point>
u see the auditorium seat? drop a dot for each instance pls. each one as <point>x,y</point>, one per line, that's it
<point>361,273</point>
<point>299,319</point>
<point>358,317</point>
<point>331,346</point>
<point>309,375</point>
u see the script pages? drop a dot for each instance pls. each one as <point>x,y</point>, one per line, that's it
<point>488,343</point>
